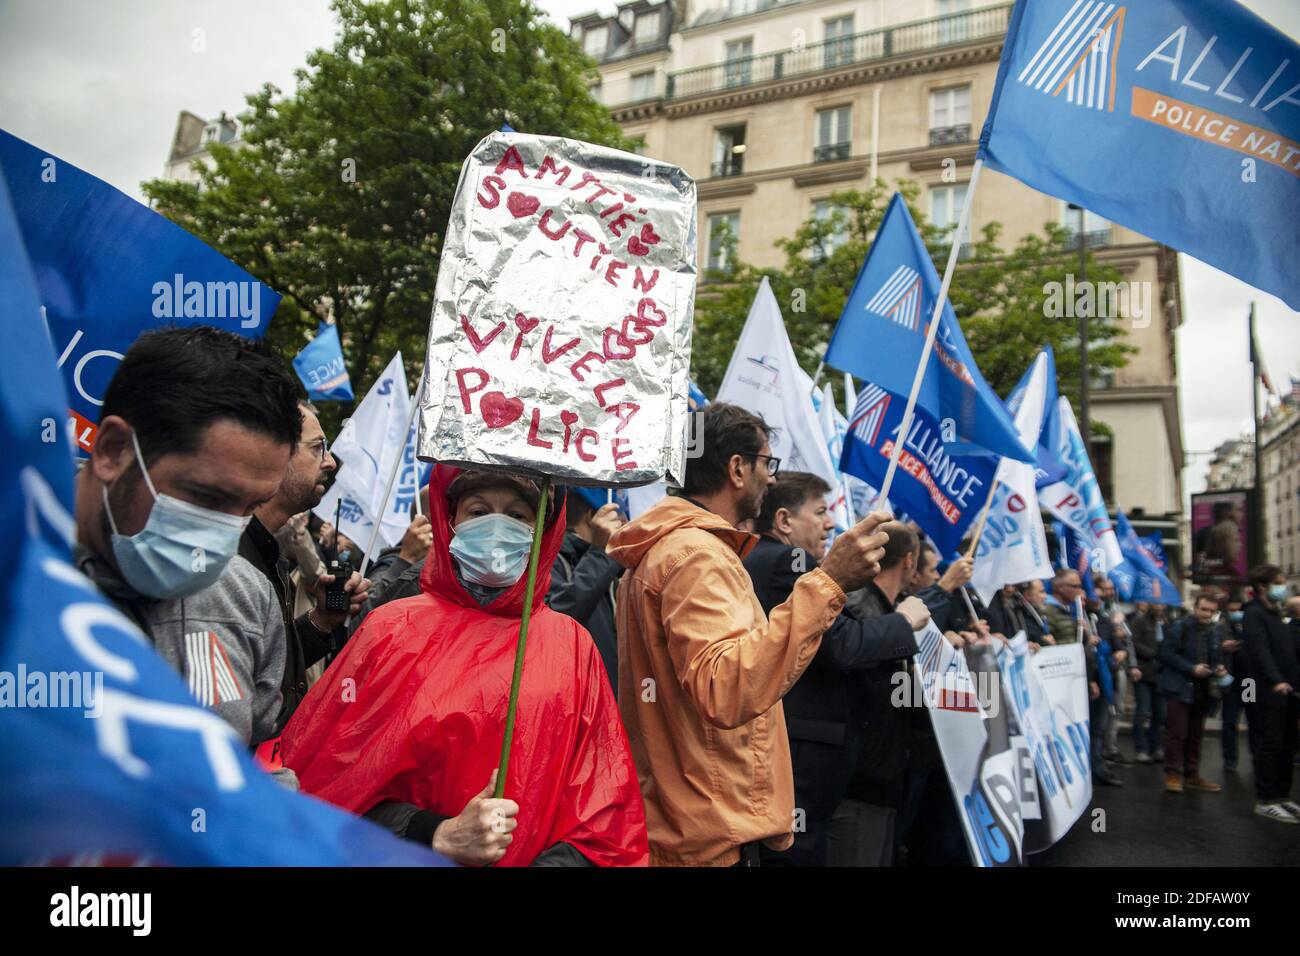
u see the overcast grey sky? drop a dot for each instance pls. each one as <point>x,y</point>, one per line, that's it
<point>100,83</point>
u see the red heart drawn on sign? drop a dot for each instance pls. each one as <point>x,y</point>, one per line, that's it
<point>524,323</point>
<point>648,235</point>
<point>611,353</point>
<point>648,303</point>
<point>634,333</point>
<point>637,248</point>
<point>499,411</point>
<point>521,205</point>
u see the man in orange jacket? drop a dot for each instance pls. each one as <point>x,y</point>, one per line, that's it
<point>702,670</point>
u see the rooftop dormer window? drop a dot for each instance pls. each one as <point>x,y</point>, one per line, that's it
<point>595,41</point>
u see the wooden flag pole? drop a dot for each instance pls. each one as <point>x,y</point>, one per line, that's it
<point>504,763</point>
<point>939,303</point>
<point>984,517</point>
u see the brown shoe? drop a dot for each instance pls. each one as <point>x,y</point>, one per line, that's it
<point>1200,783</point>
<point>1173,783</point>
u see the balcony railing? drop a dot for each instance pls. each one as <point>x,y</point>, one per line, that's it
<point>728,167</point>
<point>950,135</point>
<point>1094,238</point>
<point>830,152</point>
<point>841,52</point>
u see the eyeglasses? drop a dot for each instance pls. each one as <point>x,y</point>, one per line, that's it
<point>324,447</point>
<point>773,464</point>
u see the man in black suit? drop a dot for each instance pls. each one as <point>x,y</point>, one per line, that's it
<point>825,738</point>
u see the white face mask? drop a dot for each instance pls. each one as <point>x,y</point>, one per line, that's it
<point>181,549</point>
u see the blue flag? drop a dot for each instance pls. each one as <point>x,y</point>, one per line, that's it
<point>1155,547</point>
<point>106,756</point>
<point>599,497</point>
<point>1049,467</point>
<point>1077,558</point>
<point>321,368</point>
<point>1178,118</point>
<point>108,268</point>
<point>696,395</point>
<point>881,334</point>
<point>1149,582</point>
<point>942,492</point>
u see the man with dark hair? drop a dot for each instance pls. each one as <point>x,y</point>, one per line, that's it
<point>864,826</point>
<point>1190,655</point>
<point>1272,662</point>
<point>584,576</point>
<point>702,670</point>
<point>825,739</point>
<point>310,636</point>
<point>1230,713</point>
<point>195,434</point>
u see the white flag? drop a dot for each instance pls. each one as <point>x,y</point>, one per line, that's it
<point>763,377</point>
<point>367,449</point>
<point>834,427</point>
<point>1013,547</point>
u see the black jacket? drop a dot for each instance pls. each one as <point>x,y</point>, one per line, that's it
<point>1179,655</point>
<point>582,586</point>
<point>822,717</point>
<point>1146,648</point>
<point>306,644</point>
<point>1270,651</point>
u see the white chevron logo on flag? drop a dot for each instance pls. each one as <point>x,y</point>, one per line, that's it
<point>868,414</point>
<point>211,678</point>
<point>1080,56</point>
<point>899,299</point>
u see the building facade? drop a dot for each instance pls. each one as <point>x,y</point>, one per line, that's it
<point>772,106</point>
<point>1233,466</point>
<point>1280,488</point>
<point>191,141</point>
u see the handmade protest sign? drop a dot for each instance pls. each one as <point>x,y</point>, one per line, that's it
<point>560,338</point>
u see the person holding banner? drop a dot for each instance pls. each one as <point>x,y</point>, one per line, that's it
<point>194,435</point>
<point>825,739</point>
<point>405,726</point>
<point>702,669</point>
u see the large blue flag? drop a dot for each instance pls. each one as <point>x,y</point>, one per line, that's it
<point>1149,583</point>
<point>1049,467</point>
<point>321,368</point>
<point>940,490</point>
<point>1178,118</point>
<point>881,334</point>
<point>106,757</point>
<point>108,268</point>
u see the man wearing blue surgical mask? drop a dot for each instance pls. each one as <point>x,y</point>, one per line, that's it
<point>1275,666</point>
<point>195,433</point>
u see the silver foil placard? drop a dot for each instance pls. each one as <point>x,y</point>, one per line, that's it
<point>560,340</point>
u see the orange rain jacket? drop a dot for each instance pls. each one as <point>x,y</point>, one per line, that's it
<point>701,675</point>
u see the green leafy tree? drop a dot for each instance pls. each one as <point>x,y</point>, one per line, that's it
<point>999,296</point>
<point>339,194</point>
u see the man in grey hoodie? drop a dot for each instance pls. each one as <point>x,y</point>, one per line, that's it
<point>195,433</point>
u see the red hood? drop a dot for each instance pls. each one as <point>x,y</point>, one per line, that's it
<point>439,574</point>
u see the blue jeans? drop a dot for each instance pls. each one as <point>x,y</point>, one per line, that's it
<point>1149,721</point>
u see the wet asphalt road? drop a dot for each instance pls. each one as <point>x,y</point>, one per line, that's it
<point>1145,826</point>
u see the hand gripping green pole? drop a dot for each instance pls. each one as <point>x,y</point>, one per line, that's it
<point>523,639</point>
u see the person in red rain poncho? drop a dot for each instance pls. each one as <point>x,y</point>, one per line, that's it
<point>406,725</point>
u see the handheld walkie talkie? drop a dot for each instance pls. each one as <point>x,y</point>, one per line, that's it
<point>336,595</point>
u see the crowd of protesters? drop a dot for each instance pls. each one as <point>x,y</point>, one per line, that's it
<point>694,694</point>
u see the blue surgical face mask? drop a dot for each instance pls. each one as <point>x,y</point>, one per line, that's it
<point>492,550</point>
<point>181,549</point>
<point>1236,615</point>
<point>1277,593</point>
